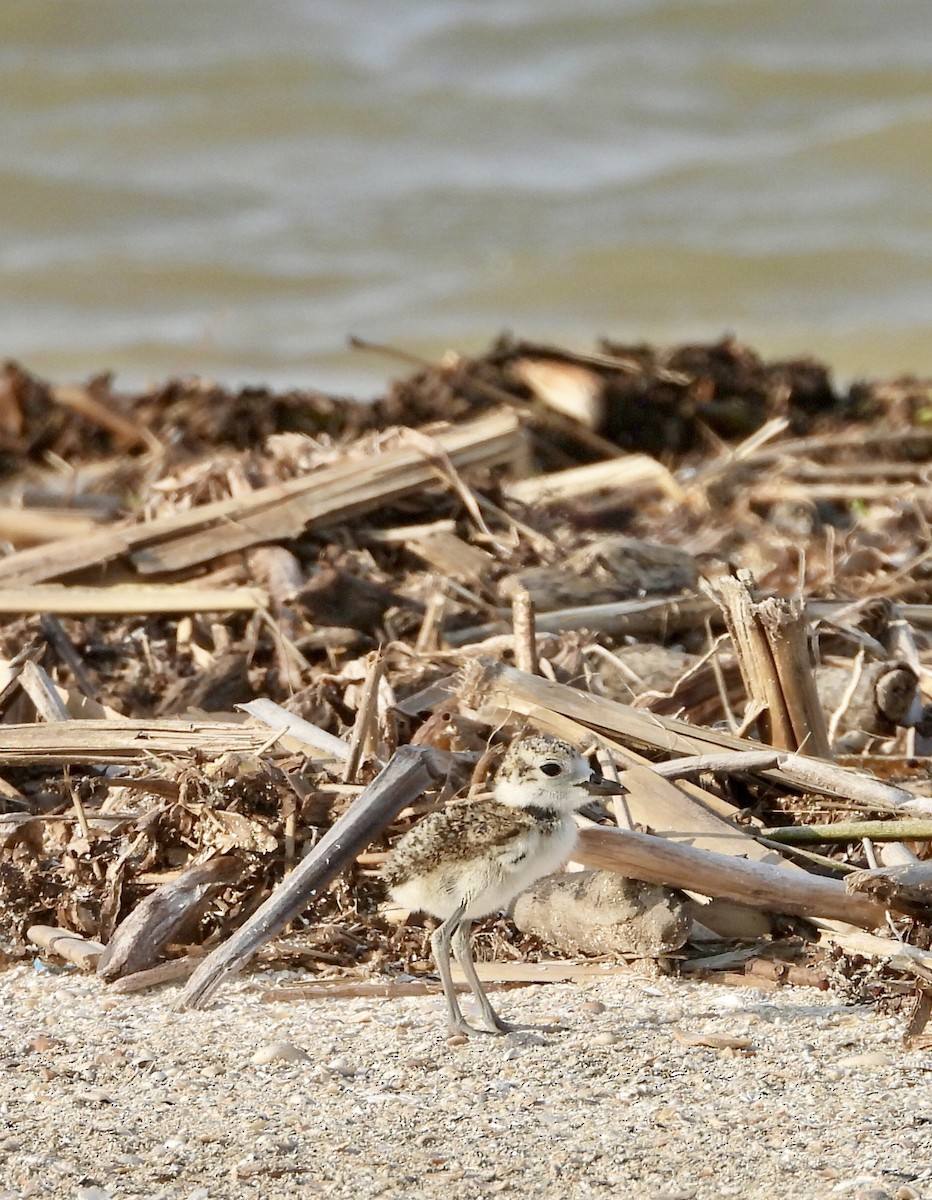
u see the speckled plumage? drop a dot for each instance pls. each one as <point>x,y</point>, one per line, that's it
<point>472,859</point>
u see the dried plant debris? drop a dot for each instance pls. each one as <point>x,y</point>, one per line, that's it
<point>174,554</point>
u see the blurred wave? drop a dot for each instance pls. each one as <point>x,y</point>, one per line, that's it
<point>232,188</point>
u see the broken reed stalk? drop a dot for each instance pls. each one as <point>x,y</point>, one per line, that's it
<point>851,831</point>
<point>364,727</point>
<point>410,772</point>
<point>124,741</point>
<point>525,633</point>
<point>771,644</point>
<point>759,885</point>
<point>82,952</point>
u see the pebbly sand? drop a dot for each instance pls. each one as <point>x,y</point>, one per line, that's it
<point>118,1096</point>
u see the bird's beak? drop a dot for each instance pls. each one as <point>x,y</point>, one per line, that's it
<point>598,785</point>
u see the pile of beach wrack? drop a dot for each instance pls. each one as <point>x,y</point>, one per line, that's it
<point>249,637</point>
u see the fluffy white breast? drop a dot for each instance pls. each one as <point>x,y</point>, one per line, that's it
<point>490,881</point>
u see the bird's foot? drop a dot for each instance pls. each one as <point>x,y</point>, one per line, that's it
<point>462,1028</point>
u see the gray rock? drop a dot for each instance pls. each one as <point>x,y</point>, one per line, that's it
<point>599,912</point>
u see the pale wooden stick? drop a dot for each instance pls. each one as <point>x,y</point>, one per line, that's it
<point>276,717</point>
<point>760,885</point>
<point>635,618</point>
<point>125,741</point>
<point>127,599</point>
<point>719,764</point>
<point>83,952</point>
<point>632,473</point>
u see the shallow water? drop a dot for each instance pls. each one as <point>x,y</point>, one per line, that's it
<point>232,188</point>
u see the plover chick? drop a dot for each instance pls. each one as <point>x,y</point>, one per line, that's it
<point>472,859</point>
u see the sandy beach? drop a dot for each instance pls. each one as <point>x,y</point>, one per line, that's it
<point>118,1096</point>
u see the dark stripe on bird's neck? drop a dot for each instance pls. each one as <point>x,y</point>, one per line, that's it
<point>546,816</point>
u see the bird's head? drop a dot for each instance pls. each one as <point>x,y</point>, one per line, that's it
<point>543,772</point>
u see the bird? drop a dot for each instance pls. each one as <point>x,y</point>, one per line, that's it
<point>473,858</point>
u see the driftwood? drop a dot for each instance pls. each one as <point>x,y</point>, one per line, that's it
<point>760,885</point>
<point>226,487</point>
<point>139,940</point>
<point>410,772</point>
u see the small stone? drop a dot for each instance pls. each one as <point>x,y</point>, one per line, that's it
<point>457,1039</point>
<point>92,1193</point>
<point>279,1052</point>
<point>593,1006</point>
<point>110,1058</point>
<point>872,1058</point>
<point>43,1042</point>
<point>92,1096</point>
<point>605,1039</point>
<point>340,1066</point>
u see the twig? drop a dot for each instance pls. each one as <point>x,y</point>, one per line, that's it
<point>276,717</point>
<point>366,716</point>
<point>56,637</point>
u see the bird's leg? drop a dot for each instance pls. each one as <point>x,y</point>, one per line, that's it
<point>463,955</point>
<point>440,945</point>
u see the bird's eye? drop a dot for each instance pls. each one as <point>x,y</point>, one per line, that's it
<point>552,769</point>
